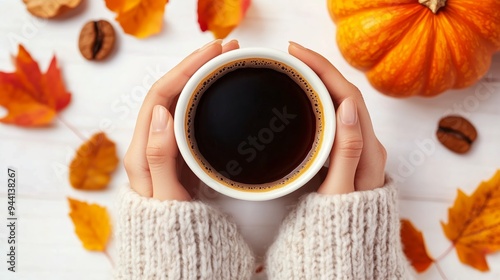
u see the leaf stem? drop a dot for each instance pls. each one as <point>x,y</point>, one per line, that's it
<point>438,259</point>
<point>441,272</point>
<point>445,253</point>
<point>106,253</point>
<point>72,128</point>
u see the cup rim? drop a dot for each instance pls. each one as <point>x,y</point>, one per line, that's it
<point>263,53</point>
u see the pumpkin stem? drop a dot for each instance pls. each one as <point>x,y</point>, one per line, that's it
<point>434,5</point>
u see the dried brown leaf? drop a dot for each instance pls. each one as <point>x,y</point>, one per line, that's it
<point>50,8</point>
<point>93,164</point>
<point>414,247</point>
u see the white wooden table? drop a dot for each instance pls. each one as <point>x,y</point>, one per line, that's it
<point>107,96</point>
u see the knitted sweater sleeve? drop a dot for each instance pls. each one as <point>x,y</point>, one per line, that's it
<point>349,236</point>
<point>177,240</point>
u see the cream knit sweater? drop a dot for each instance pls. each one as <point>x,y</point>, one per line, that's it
<point>351,236</point>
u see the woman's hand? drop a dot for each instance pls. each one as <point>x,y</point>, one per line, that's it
<point>357,160</point>
<point>152,163</point>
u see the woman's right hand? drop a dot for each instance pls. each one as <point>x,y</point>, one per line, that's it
<point>357,160</point>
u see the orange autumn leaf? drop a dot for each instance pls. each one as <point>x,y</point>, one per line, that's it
<point>140,18</point>
<point>414,246</point>
<point>93,164</point>
<point>31,97</point>
<point>221,16</point>
<point>474,223</point>
<point>92,224</point>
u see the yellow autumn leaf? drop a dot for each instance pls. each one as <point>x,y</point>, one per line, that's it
<point>92,224</point>
<point>140,18</point>
<point>474,223</point>
<point>221,16</point>
<point>93,164</point>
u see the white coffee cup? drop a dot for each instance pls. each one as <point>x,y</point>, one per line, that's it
<point>306,171</point>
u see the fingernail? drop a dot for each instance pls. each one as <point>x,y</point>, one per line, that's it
<point>348,112</point>
<point>159,121</point>
<point>292,43</point>
<point>217,41</point>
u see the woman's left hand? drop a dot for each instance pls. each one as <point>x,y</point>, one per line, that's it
<point>152,161</point>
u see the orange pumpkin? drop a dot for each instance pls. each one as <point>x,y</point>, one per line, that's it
<point>418,47</point>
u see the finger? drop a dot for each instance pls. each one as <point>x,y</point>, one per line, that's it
<point>163,92</point>
<point>346,151</point>
<point>185,175</point>
<point>340,89</point>
<point>161,154</point>
<point>231,45</point>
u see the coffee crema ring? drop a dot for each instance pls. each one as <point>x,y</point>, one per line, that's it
<point>312,96</point>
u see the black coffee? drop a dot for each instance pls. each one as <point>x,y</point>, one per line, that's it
<point>253,125</point>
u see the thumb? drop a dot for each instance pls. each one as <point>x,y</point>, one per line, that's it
<point>346,151</point>
<point>161,153</point>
